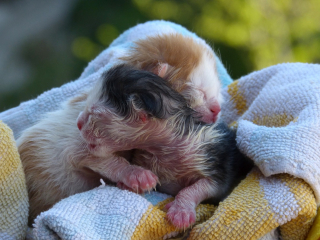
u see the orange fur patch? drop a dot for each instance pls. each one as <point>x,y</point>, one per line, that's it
<point>182,53</point>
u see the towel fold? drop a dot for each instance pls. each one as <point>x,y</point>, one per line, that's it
<point>256,207</point>
<point>277,115</point>
<point>109,213</point>
<point>259,205</point>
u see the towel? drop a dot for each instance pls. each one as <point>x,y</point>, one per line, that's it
<point>275,112</point>
<point>277,115</point>
<point>260,204</point>
<point>109,213</point>
<point>256,207</point>
<point>13,192</point>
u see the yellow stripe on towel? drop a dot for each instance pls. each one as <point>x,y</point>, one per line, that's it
<point>298,227</point>
<point>237,98</point>
<point>245,214</point>
<point>13,191</point>
<point>154,225</point>
<point>258,205</point>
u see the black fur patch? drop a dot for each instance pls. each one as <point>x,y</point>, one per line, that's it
<point>124,85</point>
<point>228,165</point>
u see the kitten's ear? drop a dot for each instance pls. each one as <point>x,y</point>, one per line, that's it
<point>139,108</point>
<point>143,116</point>
<point>161,69</point>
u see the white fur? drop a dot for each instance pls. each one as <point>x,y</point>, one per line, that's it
<point>204,78</point>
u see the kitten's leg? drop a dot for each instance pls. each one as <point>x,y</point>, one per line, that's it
<point>181,211</point>
<point>118,169</point>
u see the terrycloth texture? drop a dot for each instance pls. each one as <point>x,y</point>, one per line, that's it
<point>259,205</point>
<point>109,213</point>
<point>277,111</point>
<point>13,193</point>
<point>28,113</point>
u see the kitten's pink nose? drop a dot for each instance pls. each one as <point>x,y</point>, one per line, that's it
<point>80,124</point>
<point>215,109</point>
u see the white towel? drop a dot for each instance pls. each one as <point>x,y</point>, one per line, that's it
<point>277,111</point>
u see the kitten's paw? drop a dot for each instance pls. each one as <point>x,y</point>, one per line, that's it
<point>140,180</point>
<point>180,215</point>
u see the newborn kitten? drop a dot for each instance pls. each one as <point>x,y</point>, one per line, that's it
<point>127,109</point>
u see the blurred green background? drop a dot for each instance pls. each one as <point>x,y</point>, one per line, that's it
<point>44,44</point>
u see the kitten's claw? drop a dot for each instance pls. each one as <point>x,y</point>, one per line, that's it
<point>140,179</point>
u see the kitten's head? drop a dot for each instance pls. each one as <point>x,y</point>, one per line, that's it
<point>128,107</point>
